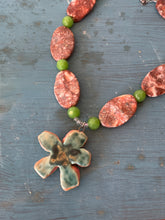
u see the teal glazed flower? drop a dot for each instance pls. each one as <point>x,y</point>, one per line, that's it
<point>63,155</point>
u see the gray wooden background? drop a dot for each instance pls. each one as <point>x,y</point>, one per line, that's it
<point>116,46</point>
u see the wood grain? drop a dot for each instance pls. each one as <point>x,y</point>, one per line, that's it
<point>116,46</point>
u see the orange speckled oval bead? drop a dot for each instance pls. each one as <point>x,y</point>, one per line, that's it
<point>160,6</point>
<point>78,9</point>
<point>66,89</point>
<point>154,82</point>
<point>62,43</point>
<point>118,111</point>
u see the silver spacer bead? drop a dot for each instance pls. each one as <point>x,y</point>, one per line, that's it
<point>80,123</point>
<point>144,2</point>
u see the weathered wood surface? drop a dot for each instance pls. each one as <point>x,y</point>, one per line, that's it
<point>116,45</point>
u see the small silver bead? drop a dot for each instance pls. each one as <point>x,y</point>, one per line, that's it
<point>80,123</point>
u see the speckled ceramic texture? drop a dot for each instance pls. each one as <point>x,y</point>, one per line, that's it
<point>65,155</point>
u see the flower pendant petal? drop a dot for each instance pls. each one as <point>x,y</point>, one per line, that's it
<point>48,140</point>
<point>69,177</point>
<point>44,168</point>
<point>80,157</point>
<point>75,138</point>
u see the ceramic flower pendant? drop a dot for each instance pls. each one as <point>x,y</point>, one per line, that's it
<point>65,155</point>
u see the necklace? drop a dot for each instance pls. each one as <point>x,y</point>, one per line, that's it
<point>68,153</point>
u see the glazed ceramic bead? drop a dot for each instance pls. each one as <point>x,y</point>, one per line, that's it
<point>62,65</point>
<point>68,21</point>
<point>73,112</point>
<point>93,123</point>
<point>139,95</point>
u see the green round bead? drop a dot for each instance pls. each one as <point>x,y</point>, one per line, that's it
<point>67,21</point>
<point>62,65</point>
<point>139,95</point>
<point>73,112</point>
<point>93,123</point>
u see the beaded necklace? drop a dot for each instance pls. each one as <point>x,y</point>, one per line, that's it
<point>69,152</point>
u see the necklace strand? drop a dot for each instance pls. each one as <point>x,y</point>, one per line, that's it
<point>68,153</point>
